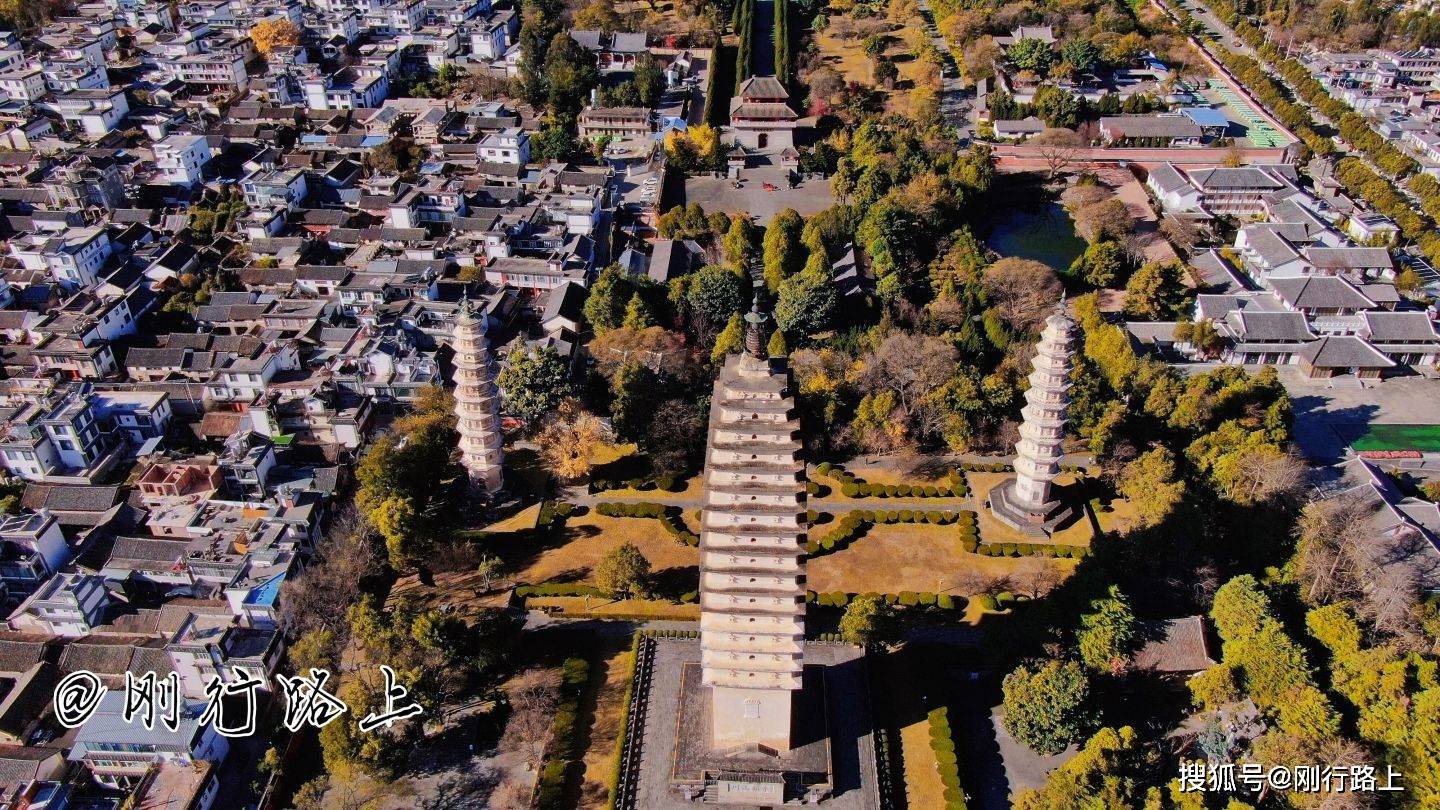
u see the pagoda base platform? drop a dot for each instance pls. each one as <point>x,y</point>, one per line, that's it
<point>671,764</point>
<point>1038,522</point>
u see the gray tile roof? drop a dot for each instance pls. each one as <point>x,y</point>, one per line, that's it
<point>1382,326</point>
<point>1320,292</point>
<point>1344,351</point>
<point>1271,327</point>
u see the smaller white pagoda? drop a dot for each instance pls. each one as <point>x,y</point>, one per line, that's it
<point>477,402</point>
<point>1025,502</point>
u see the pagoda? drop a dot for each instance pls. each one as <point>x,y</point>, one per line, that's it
<point>752,565</point>
<point>1025,502</point>
<point>477,402</point>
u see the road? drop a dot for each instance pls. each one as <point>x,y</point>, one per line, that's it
<point>954,101</point>
<point>1232,42</point>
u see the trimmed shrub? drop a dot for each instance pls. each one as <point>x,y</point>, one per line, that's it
<point>945,601</point>
<point>850,490</point>
<point>1005,597</point>
<point>925,599</point>
<point>903,490</point>
<point>942,742</point>
<point>969,544</point>
<point>824,467</point>
<point>908,598</point>
<point>812,488</point>
<point>987,602</point>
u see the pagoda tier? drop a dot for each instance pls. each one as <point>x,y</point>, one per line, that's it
<point>477,403</point>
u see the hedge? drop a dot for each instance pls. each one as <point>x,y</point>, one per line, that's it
<point>560,589</point>
<point>553,515</point>
<point>852,486</point>
<point>564,745</point>
<point>856,523</point>
<point>1056,550</point>
<point>744,24</point>
<point>664,483</point>
<point>669,517</point>
<point>925,599</point>
<point>942,742</point>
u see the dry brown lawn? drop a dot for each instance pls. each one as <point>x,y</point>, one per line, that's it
<point>605,728</point>
<point>899,557</point>
<point>587,539</point>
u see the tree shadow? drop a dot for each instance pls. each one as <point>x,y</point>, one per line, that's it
<point>672,583</point>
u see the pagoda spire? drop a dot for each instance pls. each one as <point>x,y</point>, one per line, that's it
<point>477,401</point>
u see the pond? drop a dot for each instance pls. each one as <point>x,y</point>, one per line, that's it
<point>1042,231</point>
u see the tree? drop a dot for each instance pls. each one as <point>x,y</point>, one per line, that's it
<point>274,33</point>
<point>487,570</point>
<point>1058,147</point>
<point>781,250</point>
<point>1182,233</point>
<point>570,72</point>
<point>568,440</point>
<point>909,367</point>
<point>867,621</point>
<point>534,382</point>
<point>1058,108</point>
<point>604,307</point>
<point>1106,219</point>
<point>410,480</point>
<point>731,340</point>
<point>599,15</point>
<point>806,303</point>
<point>1408,280</point>
<point>1108,634</point>
<point>776,346</point>
<point>1030,54</point>
<point>1102,774</point>
<point>739,242</point>
<point>624,571</point>
<point>1024,291</point>
<point>1047,708</point>
<point>1082,54</point>
<point>1334,561</point>
<point>716,293</point>
<point>649,80</point>
<point>1100,264</point>
<point>637,313</point>
<point>1149,483</point>
<point>1155,292</point>
<point>635,388</point>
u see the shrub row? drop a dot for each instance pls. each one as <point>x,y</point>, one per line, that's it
<point>942,742</point>
<point>744,23</point>
<point>669,517</point>
<point>1031,550</point>
<point>560,589</point>
<point>993,602</point>
<point>664,483</point>
<point>564,748</point>
<point>840,599</point>
<point>856,523</point>
<point>713,65</point>
<point>782,42</point>
<point>553,515</point>
<point>853,486</point>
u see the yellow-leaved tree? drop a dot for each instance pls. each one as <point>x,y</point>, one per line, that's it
<point>271,34</point>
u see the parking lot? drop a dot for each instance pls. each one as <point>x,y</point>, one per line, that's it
<point>1330,414</point>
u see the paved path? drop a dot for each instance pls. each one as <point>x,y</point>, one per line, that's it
<point>953,100</point>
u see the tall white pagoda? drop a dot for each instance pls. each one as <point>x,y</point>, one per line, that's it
<point>477,402</point>
<point>752,542</point>
<point>1026,502</point>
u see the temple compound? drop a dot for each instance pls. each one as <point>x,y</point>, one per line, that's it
<point>751,715</point>
<point>1025,502</point>
<point>477,403</point>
